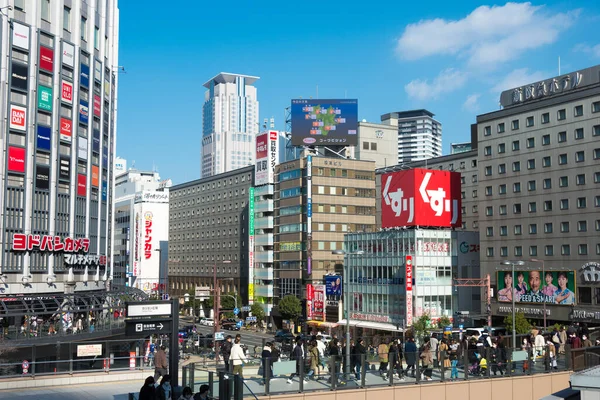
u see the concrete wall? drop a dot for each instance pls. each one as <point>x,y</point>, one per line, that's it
<point>520,388</point>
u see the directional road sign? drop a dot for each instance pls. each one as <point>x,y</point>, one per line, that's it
<point>148,327</point>
<point>236,311</point>
<point>219,336</point>
<point>147,309</point>
<point>240,324</point>
<point>246,309</point>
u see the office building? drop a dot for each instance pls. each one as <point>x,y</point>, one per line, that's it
<point>141,230</point>
<point>317,201</point>
<point>377,142</point>
<point>229,123</point>
<point>208,229</point>
<point>419,134</point>
<point>56,167</point>
<point>539,174</point>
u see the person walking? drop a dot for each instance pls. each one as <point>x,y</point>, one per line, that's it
<point>433,344</point>
<point>226,352</point>
<point>383,350</point>
<point>496,359</point>
<point>427,362</point>
<point>238,357</point>
<point>359,351</point>
<point>315,362</point>
<point>160,363</point>
<point>410,355</point>
<point>267,362</point>
<point>164,390</point>
<point>298,356</point>
<point>148,391</point>
<point>334,353</point>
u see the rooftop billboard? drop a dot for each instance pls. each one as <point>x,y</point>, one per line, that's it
<point>324,122</point>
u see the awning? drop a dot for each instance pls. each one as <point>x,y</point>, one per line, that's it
<point>323,324</point>
<point>372,325</point>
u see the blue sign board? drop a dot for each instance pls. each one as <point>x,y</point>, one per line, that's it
<point>96,141</point>
<point>44,138</point>
<point>309,208</point>
<point>236,311</point>
<point>84,112</point>
<point>333,285</point>
<point>104,191</point>
<point>85,75</point>
<point>239,324</point>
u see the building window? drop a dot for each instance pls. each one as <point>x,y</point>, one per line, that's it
<point>516,208</point>
<point>533,251</point>
<point>579,156</point>
<point>517,187</point>
<point>532,229</point>
<point>596,154</point>
<point>365,145</point>
<point>516,145</point>
<point>502,189</point>
<point>374,146</point>
<point>488,171</point>
<point>581,202</point>
<point>548,227</point>
<point>518,231</point>
<point>502,168</point>
<point>548,205</point>
<point>562,137</point>
<point>596,130</point>
<point>474,210</point>
<point>578,111</point>
<point>596,177</point>
<point>332,172</point>
<point>564,204</point>
<point>545,118</point>
<point>515,124</point>
<point>487,131</point>
<point>549,250</point>
<point>565,250</point>
<point>473,178</point>
<point>489,252</point>
<point>503,230</point>
<point>518,251</point>
<point>530,143</point>
<point>532,207</point>
<point>45,10</point>
<point>596,106</point>
<point>531,186</point>
<point>97,38</point>
<point>474,194</point>
<point>582,250</point>
<point>502,209</point>
<point>489,231</point>
<point>489,211</point>
<point>546,161</point>
<point>564,227</point>
<point>501,127</point>
<point>597,201</point>
<point>545,140</point>
<point>488,190</point>
<point>581,226</point>
<point>67,19</point>
<point>516,166</point>
<point>585,295</point>
<point>320,171</point>
<point>561,115</point>
<point>579,134</point>
<point>580,179</point>
<point>563,181</point>
<point>562,159</point>
<point>344,173</point>
<point>503,251</point>
<point>487,151</point>
<point>83,28</point>
<point>529,122</point>
<point>531,164</point>
<point>547,183</point>
<point>501,148</point>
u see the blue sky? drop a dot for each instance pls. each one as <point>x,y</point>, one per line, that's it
<point>452,58</point>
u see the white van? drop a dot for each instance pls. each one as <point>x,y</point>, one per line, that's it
<point>208,322</point>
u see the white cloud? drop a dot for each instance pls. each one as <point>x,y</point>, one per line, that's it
<point>519,77</point>
<point>487,35</point>
<point>471,103</point>
<point>586,48</point>
<point>447,81</point>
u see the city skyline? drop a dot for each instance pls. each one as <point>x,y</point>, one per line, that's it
<point>456,80</point>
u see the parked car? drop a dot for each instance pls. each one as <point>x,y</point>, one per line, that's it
<point>208,322</point>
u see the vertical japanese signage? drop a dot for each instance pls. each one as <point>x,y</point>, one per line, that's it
<point>81,185</point>
<point>266,157</point>
<point>97,105</point>
<point>319,302</point>
<point>309,301</point>
<point>95,176</point>
<point>148,216</point>
<point>46,59</point>
<point>409,287</point>
<point>251,247</point>
<point>309,215</point>
<point>44,98</point>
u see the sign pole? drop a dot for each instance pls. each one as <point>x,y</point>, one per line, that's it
<point>174,343</point>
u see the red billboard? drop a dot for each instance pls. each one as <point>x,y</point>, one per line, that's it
<point>66,129</point>
<point>81,185</point>
<point>97,105</point>
<point>16,159</point>
<point>421,197</point>
<point>262,146</point>
<point>46,59</point>
<point>66,94</point>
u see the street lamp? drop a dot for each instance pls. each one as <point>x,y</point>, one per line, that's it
<point>542,277</point>
<point>513,295</point>
<point>347,302</point>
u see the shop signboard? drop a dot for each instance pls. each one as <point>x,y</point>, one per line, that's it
<point>409,288</point>
<point>44,98</point>
<point>319,302</point>
<point>334,285</point>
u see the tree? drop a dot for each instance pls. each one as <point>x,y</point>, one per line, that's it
<point>420,327</point>
<point>258,312</point>
<point>523,325</point>
<point>290,307</point>
<point>227,303</point>
<point>443,322</point>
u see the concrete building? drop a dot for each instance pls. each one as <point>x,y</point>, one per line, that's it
<point>59,62</point>
<point>377,142</point>
<point>317,201</point>
<point>229,123</point>
<point>539,172</point>
<point>141,230</point>
<point>208,228</point>
<point>419,134</point>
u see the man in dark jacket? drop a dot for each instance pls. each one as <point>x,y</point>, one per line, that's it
<point>298,356</point>
<point>226,351</point>
<point>359,351</point>
<point>410,355</point>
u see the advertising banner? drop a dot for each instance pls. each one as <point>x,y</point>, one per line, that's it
<point>324,122</point>
<point>64,173</point>
<point>421,197</point>
<point>535,286</point>
<point>46,59</point>
<point>68,55</point>
<point>84,112</point>
<point>104,190</point>
<point>44,98</point>
<point>81,185</point>
<point>19,76</point>
<point>20,36</point>
<point>105,155</point>
<point>16,159</point>
<point>82,148</point>
<point>44,138</point>
<point>266,157</point>
<point>97,105</point>
<point>408,281</point>
<point>66,93</point>
<point>18,118</point>
<point>84,77</point>
<point>42,177</point>
<point>251,246</point>
<point>319,303</point>
<point>95,176</point>
<point>66,129</point>
<point>96,141</point>
<point>334,285</point>
<point>309,301</point>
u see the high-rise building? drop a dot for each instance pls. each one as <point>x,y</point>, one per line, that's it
<point>59,62</point>
<point>229,124</point>
<point>377,142</point>
<point>419,134</point>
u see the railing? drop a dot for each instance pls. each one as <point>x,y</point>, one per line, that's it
<point>57,330</point>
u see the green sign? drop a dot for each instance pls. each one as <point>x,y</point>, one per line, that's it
<point>251,213</point>
<point>44,98</point>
